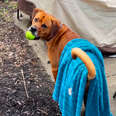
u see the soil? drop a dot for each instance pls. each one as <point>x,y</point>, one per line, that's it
<point>21,71</point>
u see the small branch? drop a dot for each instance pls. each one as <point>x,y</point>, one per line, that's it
<point>43,112</point>
<point>24,83</point>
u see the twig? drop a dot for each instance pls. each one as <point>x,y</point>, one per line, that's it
<point>43,112</point>
<point>24,83</point>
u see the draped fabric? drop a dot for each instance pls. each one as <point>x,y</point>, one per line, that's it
<point>71,82</point>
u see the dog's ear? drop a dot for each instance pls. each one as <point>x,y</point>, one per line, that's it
<point>55,22</point>
<point>55,27</point>
<point>35,11</point>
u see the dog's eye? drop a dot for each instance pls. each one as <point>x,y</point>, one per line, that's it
<point>35,20</point>
<point>44,25</point>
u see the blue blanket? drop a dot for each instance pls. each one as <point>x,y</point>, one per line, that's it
<point>71,82</point>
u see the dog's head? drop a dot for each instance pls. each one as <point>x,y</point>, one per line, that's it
<point>44,25</point>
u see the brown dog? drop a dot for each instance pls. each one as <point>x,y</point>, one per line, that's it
<point>56,34</point>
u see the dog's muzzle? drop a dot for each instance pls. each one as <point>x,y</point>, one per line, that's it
<point>34,31</point>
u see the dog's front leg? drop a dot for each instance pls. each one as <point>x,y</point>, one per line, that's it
<point>54,72</point>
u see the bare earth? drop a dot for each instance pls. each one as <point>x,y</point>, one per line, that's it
<point>19,65</point>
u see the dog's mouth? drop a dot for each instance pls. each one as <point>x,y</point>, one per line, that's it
<point>34,32</point>
<point>37,38</point>
<point>36,35</point>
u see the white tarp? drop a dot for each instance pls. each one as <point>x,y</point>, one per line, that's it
<point>94,20</point>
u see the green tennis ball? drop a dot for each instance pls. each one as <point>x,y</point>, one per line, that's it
<point>29,35</point>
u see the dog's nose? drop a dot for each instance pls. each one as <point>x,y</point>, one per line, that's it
<point>33,29</point>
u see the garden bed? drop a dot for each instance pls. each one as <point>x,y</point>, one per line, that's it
<point>25,87</point>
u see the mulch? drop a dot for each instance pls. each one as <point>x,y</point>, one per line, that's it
<point>21,71</point>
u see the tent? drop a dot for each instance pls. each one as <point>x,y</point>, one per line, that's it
<point>94,20</point>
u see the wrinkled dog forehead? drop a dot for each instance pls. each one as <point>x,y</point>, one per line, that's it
<point>42,17</point>
<point>38,13</point>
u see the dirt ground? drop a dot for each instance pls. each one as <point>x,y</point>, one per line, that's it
<point>20,72</point>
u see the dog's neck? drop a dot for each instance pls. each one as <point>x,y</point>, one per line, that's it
<point>57,37</point>
<point>63,34</point>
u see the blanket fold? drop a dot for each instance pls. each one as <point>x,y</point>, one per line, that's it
<point>71,82</point>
